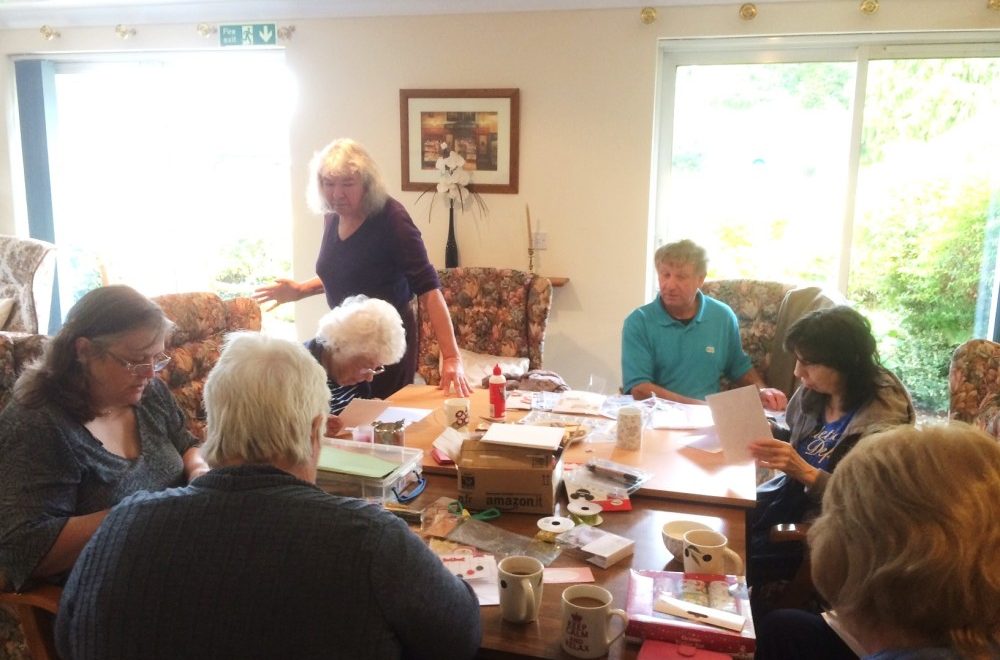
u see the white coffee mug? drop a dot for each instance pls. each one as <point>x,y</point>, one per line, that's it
<point>520,588</point>
<point>705,551</point>
<point>456,412</point>
<point>586,621</point>
<point>629,432</point>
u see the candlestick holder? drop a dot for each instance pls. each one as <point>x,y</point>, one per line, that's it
<point>531,260</point>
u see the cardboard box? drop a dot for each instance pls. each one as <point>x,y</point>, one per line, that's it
<point>645,622</point>
<point>509,478</point>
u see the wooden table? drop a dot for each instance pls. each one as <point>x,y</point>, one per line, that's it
<point>680,473</point>
<point>541,638</point>
<point>688,483</point>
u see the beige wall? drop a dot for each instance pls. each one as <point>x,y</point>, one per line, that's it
<point>587,81</point>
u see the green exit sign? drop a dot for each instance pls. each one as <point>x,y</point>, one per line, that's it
<point>252,34</point>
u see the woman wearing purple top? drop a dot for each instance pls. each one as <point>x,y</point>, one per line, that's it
<point>370,246</point>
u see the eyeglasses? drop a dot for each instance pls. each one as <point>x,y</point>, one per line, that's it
<point>156,366</point>
<point>374,372</point>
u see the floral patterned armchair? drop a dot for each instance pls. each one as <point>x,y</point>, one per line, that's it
<point>27,272</point>
<point>765,310</point>
<point>495,311</point>
<point>202,321</point>
<point>974,385</point>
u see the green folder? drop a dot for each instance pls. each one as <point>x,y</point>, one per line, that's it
<point>349,462</point>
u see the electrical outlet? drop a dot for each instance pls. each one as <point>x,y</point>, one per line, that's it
<point>540,240</point>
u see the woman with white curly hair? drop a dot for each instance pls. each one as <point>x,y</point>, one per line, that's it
<point>355,342</point>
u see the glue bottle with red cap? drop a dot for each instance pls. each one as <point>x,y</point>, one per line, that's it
<point>498,394</point>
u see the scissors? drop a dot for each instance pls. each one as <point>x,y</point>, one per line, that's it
<point>484,515</point>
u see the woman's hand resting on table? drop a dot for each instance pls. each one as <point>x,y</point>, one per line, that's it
<point>453,374</point>
<point>780,455</point>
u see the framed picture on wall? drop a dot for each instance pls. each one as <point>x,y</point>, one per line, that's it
<point>481,125</point>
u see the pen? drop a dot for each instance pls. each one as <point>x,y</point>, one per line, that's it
<point>624,477</point>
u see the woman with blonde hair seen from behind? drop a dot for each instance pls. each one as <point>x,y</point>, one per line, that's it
<point>355,342</point>
<point>370,246</point>
<point>906,549</point>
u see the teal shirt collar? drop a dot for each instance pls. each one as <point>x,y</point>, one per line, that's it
<point>667,319</point>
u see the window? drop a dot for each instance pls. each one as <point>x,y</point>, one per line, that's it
<point>869,167</point>
<point>170,172</point>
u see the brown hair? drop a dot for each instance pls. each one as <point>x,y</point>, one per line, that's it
<point>100,315</point>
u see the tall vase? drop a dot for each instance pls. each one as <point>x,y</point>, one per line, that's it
<point>451,247</point>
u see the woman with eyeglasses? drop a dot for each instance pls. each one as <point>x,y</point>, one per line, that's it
<point>355,342</point>
<point>370,246</point>
<point>89,424</point>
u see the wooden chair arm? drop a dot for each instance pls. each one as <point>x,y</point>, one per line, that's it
<point>789,532</point>
<point>36,608</point>
<point>45,597</point>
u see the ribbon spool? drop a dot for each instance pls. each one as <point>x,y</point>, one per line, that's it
<point>586,513</point>
<point>556,524</point>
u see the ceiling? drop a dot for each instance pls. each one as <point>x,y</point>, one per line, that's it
<point>61,13</point>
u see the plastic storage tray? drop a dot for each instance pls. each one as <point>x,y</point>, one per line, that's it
<point>401,485</point>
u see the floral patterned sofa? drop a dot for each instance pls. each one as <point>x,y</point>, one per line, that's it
<point>202,320</point>
<point>765,310</point>
<point>495,311</point>
<point>974,385</point>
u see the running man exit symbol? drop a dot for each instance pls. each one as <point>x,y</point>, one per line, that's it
<point>252,34</point>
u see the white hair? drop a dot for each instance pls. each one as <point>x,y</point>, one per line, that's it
<point>339,158</point>
<point>364,327</point>
<point>261,399</point>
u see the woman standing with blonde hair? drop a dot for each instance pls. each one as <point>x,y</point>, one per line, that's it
<point>370,246</point>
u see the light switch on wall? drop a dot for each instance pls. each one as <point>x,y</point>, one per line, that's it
<point>540,240</point>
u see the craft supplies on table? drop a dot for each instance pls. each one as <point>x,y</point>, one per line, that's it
<point>368,471</point>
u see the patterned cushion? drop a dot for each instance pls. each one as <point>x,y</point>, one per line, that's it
<point>974,385</point>
<point>27,269</point>
<point>756,304</point>
<point>17,350</point>
<point>202,320</point>
<point>496,311</point>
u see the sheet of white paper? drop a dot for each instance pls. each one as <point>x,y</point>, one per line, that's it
<point>681,416</point>
<point>365,411</point>
<point>580,403</point>
<point>362,411</point>
<point>739,419</point>
<point>524,435</point>
<point>408,415</point>
<point>707,440</point>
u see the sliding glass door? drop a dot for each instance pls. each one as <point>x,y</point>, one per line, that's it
<point>871,168</point>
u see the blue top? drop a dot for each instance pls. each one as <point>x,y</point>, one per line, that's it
<point>817,448</point>
<point>250,562</point>
<point>688,359</point>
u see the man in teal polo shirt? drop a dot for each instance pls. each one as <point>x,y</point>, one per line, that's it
<point>680,345</point>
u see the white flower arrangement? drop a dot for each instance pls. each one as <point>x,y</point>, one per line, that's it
<point>454,177</point>
<point>455,182</point>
